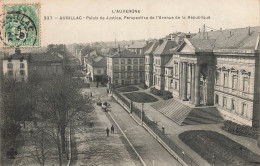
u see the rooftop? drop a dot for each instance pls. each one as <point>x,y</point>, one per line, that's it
<point>138,45</point>
<point>152,47</point>
<point>165,47</point>
<point>126,54</point>
<point>240,38</point>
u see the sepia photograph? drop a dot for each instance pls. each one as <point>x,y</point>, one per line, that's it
<point>129,83</point>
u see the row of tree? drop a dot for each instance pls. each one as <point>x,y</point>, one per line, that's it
<point>52,104</point>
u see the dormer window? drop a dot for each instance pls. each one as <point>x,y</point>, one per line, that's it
<point>9,65</point>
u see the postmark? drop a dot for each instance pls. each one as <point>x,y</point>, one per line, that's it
<point>21,25</point>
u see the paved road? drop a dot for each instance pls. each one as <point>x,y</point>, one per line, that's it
<point>148,148</point>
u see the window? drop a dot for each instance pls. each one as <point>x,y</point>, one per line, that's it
<point>135,67</point>
<point>9,65</point>
<point>135,74</point>
<point>116,68</point>
<point>141,67</point>
<point>99,71</point>
<point>135,61</point>
<point>116,61</point>
<point>166,71</point>
<point>129,61</point>
<point>140,74</point>
<point>10,72</point>
<point>122,75</point>
<point>21,65</point>
<point>234,82</point>
<point>123,68</point>
<point>116,75</point>
<point>176,69</point>
<point>128,68</point>
<point>233,105</point>
<point>171,83</point>
<point>122,61</point>
<point>141,61</point>
<point>22,72</point>
<point>217,78</point>
<point>244,108</point>
<point>225,80</point>
<point>116,82</point>
<point>216,99</point>
<point>245,84</point>
<point>224,102</point>
<point>129,75</point>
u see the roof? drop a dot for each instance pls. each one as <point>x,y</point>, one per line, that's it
<point>37,57</point>
<point>152,47</point>
<point>44,57</point>
<point>138,44</point>
<point>170,63</point>
<point>202,45</point>
<point>101,62</point>
<point>233,38</point>
<point>165,47</point>
<point>126,53</point>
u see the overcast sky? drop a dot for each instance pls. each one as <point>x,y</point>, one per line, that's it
<point>224,14</point>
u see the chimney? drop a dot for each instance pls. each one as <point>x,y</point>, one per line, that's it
<point>17,51</point>
<point>199,30</point>
<point>230,33</point>
<point>119,50</point>
<point>160,41</point>
<point>249,31</point>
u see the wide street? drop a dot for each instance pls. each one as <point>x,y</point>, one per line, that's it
<point>130,145</point>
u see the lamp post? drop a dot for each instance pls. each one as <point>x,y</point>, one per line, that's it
<point>142,114</point>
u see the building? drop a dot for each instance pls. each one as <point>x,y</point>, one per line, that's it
<point>16,66</point>
<point>220,69</point>
<point>138,47</point>
<point>149,63</point>
<point>161,57</point>
<point>125,68</point>
<point>20,66</point>
<point>96,68</point>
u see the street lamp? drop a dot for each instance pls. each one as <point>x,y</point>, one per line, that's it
<point>142,114</point>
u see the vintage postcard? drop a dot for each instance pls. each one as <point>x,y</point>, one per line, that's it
<point>129,82</point>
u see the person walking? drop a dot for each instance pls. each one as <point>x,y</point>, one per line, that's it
<point>112,129</point>
<point>107,130</point>
<point>163,129</point>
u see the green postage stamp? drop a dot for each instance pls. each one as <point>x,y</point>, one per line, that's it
<point>21,25</point>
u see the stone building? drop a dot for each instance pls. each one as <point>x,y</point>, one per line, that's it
<point>96,68</point>
<point>125,68</point>
<point>149,63</point>
<point>161,56</point>
<point>221,69</point>
<point>20,66</point>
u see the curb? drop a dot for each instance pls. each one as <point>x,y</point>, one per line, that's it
<point>142,161</point>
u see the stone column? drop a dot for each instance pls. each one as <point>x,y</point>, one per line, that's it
<point>191,81</point>
<point>193,84</point>
<point>180,80</point>
<point>197,85</point>
<point>184,76</point>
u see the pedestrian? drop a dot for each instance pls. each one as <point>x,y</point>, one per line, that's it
<point>107,130</point>
<point>112,129</point>
<point>90,94</point>
<point>163,129</point>
<point>107,91</point>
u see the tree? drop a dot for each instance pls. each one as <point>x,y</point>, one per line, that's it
<point>61,101</point>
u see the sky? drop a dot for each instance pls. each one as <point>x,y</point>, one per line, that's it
<point>225,14</point>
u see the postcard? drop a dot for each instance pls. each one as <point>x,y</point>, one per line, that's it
<point>129,83</point>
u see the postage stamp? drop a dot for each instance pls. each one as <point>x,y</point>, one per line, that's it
<point>21,25</point>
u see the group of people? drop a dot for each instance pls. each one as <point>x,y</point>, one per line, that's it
<point>112,130</point>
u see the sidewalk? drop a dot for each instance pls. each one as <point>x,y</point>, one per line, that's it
<point>94,147</point>
<point>148,148</point>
